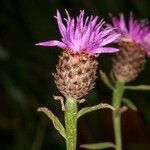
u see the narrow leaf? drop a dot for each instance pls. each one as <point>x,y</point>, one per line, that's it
<point>57,124</point>
<point>86,110</point>
<point>138,87</point>
<point>129,103</point>
<point>98,146</point>
<point>106,80</point>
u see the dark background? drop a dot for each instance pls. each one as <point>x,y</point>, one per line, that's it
<point>26,80</point>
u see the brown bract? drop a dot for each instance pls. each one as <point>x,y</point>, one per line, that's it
<point>129,61</point>
<point>75,74</point>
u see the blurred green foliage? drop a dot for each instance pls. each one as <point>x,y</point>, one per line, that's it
<point>26,80</point>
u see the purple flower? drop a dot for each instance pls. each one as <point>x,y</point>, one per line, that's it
<point>83,35</point>
<point>136,31</point>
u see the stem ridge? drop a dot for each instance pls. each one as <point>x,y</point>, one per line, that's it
<point>71,123</point>
<point>116,102</point>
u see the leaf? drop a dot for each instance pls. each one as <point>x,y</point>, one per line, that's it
<point>93,108</point>
<point>138,87</point>
<point>106,80</point>
<point>97,146</point>
<point>129,103</point>
<point>57,124</point>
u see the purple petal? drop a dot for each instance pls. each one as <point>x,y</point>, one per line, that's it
<point>106,50</point>
<point>61,26</point>
<point>85,38</point>
<point>94,21</point>
<point>72,30</point>
<point>106,32</point>
<point>115,21</point>
<point>109,39</point>
<point>122,24</point>
<point>52,43</point>
<point>131,24</point>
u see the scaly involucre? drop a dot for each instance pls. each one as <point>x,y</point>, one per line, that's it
<point>136,31</point>
<point>83,35</point>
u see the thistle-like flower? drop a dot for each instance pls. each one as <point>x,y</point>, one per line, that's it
<point>82,39</point>
<point>134,44</point>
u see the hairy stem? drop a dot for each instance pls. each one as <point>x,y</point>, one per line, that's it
<point>116,102</point>
<point>71,123</point>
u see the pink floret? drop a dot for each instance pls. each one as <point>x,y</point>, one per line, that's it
<point>81,34</point>
<point>137,30</point>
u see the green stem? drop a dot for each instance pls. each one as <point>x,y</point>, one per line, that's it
<point>71,123</point>
<point>116,102</point>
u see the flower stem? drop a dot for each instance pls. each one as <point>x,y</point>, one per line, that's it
<point>71,123</point>
<point>116,102</point>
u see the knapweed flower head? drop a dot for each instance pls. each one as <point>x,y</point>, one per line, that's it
<point>134,44</point>
<point>136,31</point>
<point>82,39</point>
<point>83,35</point>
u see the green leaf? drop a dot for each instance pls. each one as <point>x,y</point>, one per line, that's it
<point>138,87</point>
<point>86,110</point>
<point>106,80</point>
<point>129,103</point>
<point>57,124</point>
<point>98,146</point>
